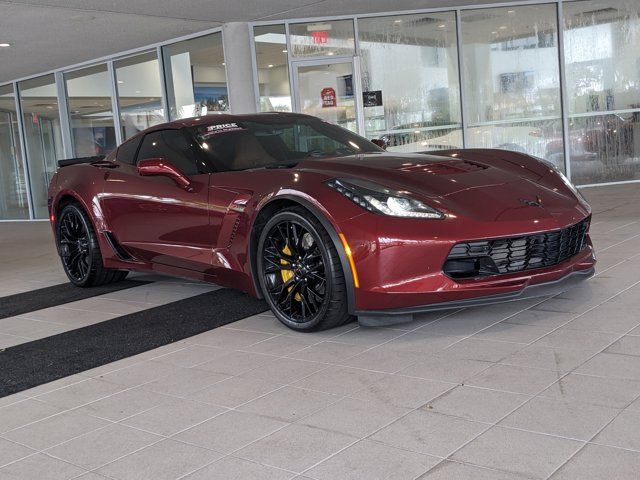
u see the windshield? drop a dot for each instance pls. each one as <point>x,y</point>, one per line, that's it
<point>241,145</point>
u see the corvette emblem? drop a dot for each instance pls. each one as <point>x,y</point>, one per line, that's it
<point>532,203</point>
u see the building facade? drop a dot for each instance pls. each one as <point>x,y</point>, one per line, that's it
<point>559,80</point>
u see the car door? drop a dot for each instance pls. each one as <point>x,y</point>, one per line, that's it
<point>153,217</point>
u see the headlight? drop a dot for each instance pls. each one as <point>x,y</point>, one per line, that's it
<point>379,199</point>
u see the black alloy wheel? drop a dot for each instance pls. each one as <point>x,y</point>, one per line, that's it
<point>300,272</point>
<point>75,245</point>
<point>80,251</point>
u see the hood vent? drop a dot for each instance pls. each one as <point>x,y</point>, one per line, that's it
<point>450,167</point>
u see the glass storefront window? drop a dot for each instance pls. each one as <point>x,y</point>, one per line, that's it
<point>601,44</point>
<point>605,148</point>
<point>335,37</point>
<point>13,188</point>
<point>273,69</point>
<point>325,90</point>
<point>43,136</point>
<point>410,81</point>
<point>139,93</point>
<point>512,82</point>
<point>196,77</point>
<point>89,103</point>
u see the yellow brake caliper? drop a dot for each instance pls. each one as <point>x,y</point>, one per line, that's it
<point>287,274</point>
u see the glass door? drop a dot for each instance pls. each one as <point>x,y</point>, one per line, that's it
<point>329,89</point>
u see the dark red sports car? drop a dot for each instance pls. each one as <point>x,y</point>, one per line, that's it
<point>320,222</point>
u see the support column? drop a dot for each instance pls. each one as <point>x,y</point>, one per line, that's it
<point>236,37</point>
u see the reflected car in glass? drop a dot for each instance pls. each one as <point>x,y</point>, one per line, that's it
<point>320,222</point>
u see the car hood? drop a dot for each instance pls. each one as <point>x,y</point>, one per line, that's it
<point>481,185</point>
<point>426,175</point>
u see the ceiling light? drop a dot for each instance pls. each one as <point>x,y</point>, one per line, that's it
<point>223,64</point>
<point>5,45</point>
<point>329,53</point>
<point>441,25</point>
<point>502,27</point>
<point>270,65</point>
<point>120,82</point>
<point>284,51</point>
<point>397,21</point>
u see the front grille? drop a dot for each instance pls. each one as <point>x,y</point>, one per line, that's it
<point>516,254</point>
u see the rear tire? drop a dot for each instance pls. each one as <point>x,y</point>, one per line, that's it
<point>79,250</point>
<point>300,273</point>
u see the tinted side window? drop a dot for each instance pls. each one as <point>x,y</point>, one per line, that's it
<point>172,145</point>
<point>127,151</point>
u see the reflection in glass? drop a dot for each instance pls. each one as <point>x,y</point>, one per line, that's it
<point>139,93</point>
<point>333,37</point>
<point>326,91</point>
<point>13,189</point>
<point>43,136</point>
<point>607,148</point>
<point>602,40</point>
<point>541,138</point>
<point>411,63</point>
<point>511,71</point>
<point>196,77</point>
<point>89,102</point>
<point>273,69</point>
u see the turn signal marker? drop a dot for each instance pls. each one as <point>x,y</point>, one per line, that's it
<point>352,264</point>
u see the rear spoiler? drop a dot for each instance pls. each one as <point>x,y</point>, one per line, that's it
<point>76,161</point>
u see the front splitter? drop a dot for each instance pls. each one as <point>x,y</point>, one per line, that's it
<point>378,318</point>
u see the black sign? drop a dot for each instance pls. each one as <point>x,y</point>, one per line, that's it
<point>372,98</point>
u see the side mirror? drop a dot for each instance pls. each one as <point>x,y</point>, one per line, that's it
<point>161,166</point>
<point>380,142</point>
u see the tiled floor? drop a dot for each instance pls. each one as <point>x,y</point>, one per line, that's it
<point>533,389</point>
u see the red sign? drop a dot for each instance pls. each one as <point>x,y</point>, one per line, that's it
<point>328,96</point>
<point>320,36</point>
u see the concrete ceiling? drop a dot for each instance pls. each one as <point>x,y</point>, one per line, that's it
<point>50,34</point>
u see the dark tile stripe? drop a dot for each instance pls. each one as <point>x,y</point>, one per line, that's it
<point>31,364</point>
<point>26,302</point>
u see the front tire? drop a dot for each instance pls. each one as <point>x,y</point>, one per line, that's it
<point>80,251</point>
<point>300,272</point>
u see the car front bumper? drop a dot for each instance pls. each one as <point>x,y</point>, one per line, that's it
<point>401,274</point>
<point>377,318</point>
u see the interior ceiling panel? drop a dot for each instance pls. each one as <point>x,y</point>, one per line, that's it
<point>50,34</point>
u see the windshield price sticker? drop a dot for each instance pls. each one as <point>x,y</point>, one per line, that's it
<point>224,128</point>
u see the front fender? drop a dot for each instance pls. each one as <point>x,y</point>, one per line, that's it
<point>324,217</point>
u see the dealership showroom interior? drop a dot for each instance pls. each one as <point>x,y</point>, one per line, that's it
<point>319,239</point>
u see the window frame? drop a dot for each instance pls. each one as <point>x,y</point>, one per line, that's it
<point>139,138</point>
<point>200,159</point>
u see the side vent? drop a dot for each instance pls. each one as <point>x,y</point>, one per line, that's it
<point>232,236</point>
<point>120,252</point>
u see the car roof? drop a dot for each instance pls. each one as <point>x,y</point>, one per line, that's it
<point>224,118</point>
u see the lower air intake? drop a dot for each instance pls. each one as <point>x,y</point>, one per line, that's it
<point>516,254</point>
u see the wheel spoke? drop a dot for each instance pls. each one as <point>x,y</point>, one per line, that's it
<point>294,271</point>
<point>316,277</point>
<point>273,268</point>
<point>75,246</point>
<point>273,263</point>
